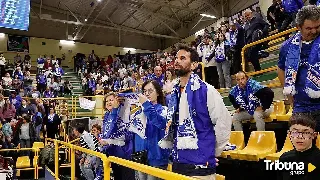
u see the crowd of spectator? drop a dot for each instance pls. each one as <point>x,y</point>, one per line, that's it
<point>23,115</point>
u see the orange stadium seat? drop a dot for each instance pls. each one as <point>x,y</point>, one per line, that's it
<point>236,138</point>
<point>285,117</point>
<point>278,109</point>
<point>23,162</point>
<point>260,144</point>
<point>286,147</point>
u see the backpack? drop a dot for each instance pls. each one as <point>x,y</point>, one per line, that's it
<point>38,121</point>
<point>46,156</point>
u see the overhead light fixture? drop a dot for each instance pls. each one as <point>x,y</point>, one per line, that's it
<point>207,15</point>
<point>66,42</point>
<point>129,49</point>
<point>99,0</point>
<point>85,20</point>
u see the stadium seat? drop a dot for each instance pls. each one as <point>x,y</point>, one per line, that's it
<point>286,147</point>
<point>220,177</point>
<point>38,145</point>
<point>285,117</point>
<point>260,144</point>
<point>23,162</point>
<point>236,138</point>
<point>278,109</point>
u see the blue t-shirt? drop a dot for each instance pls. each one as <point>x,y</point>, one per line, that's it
<point>302,102</point>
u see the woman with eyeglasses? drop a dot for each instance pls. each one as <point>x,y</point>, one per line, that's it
<point>52,123</point>
<point>149,125</point>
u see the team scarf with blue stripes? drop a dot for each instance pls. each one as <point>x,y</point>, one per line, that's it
<point>115,127</point>
<point>186,132</point>
<point>293,61</point>
<point>138,121</point>
<point>245,98</point>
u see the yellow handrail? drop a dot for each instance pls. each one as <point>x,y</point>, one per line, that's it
<point>107,160</point>
<point>261,41</point>
<point>202,70</point>
<point>36,155</point>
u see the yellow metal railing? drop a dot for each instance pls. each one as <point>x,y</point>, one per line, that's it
<point>108,160</point>
<point>35,161</point>
<point>202,70</point>
<point>261,41</point>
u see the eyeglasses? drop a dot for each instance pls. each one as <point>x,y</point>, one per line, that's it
<point>149,91</point>
<point>305,135</point>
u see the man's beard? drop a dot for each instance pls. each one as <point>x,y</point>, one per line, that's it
<point>181,72</point>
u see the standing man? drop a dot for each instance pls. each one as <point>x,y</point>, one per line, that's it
<point>290,9</point>
<point>255,29</point>
<point>158,76</point>
<point>298,66</point>
<point>199,124</point>
<point>250,99</point>
<point>236,44</point>
<point>92,58</point>
<point>205,50</point>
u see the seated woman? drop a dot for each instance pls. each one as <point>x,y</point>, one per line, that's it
<point>149,125</point>
<point>67,87</point>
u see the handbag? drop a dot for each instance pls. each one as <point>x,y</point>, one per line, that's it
<point>140,157</point>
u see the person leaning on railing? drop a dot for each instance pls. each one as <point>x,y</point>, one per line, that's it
<point>116,139</point>
<point>148,124</point>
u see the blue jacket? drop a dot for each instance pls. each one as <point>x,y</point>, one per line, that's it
<point>114,150</point>
<point>19,74</point>
<point>160,79</point>
<point>40,61</point>
<point>155,128</point>
<point>16,101</point>
<point>292,6</point>
<point>41,79</point>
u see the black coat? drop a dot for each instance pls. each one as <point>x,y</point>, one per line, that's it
<point>52,127</point>
<point>32,133</point>
<point>256,29</point>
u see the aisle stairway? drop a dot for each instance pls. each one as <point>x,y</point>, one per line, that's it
<point>77,91</point>
<point>268,78</point>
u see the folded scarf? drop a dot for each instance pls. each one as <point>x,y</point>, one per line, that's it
<point>312,81</point>
<point>186,132</point>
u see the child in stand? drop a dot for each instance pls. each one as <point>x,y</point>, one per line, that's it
<point>302,133</point>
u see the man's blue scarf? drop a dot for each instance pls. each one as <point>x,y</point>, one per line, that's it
<point>233,38</point>
<point>312,81</point>
<point>186,132</point>
<point>245,97</point>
